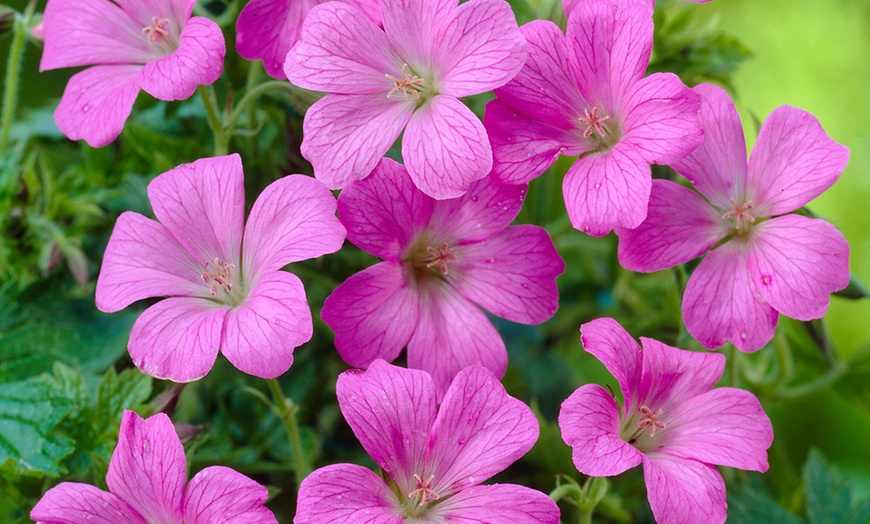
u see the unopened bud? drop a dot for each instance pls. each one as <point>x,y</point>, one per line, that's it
<point>7,19</point>
<point>37,33</point>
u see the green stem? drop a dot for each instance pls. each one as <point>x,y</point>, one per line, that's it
<point>221,136</point>
<point>288,409</point>
<point>252,95</point>
<point>823,382</point>
<point>13,73</point>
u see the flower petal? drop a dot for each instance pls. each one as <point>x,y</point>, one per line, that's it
<point>684,491</point>
<point>497,503</point>
<point>512,274</point>
<point>177,338</point>
<point>796,262</point>
<point>373,314</point>
<point>142,260</point>
<point>199,60</point>
<point>267,29</point>
<point>607,190</point>
<point>391,411</point>
<point>793,161</point>
<point>97,102</point>
<point>589,421</point>
<point>260,335</point>
<point>414,28</point>
<point>74,503</point>
<point>346,494</point>
<point>177,11</point>
<point>720,304</point>
<point>220,494</point>
<point>293,219</point>
<point>446,148</point>
<point>611,344</point>
<point>347,135</point>
<point>672,376</point>
<point>485,210</point>
<point>148,469</point>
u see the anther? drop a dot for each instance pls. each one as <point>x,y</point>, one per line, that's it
<point>439,257</point>
<point>220,276</point>
<point>650,419</point>
<point>157,29</point>
<point>593,123</point>
<point>740,212</point>
<point>424,491</point>
<point>409,84</point>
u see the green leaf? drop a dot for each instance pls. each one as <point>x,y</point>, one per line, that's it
<point>117,393</point>
<point>828,497</point>
<point>752,505</point>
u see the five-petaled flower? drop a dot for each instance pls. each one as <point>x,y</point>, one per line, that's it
<point>441,259</point>
<point>224,278</point>
<point>432,460</point>
<point>762,260</point>
<point>146,480</point>
<point>154,46</point>
<point>670,420</point>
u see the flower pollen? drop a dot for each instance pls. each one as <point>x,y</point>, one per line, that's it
<point>439,256</point>
<point>593,123</point>
<point>157,30</point>
<point>220,275</point>
<point>650,420</point>
<point>424,491</point>
<point>409,84</point>
<point>740,213</point>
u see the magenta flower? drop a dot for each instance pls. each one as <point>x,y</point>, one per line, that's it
<point>408,76</point>
<point>441,260</point>
<point>585,94</point>
<point>155,46</point>
<point>761,260</point>
<point>670,420</point>
<point>433,461</point>
<point>224,279</point>
<point>268,29</point>
<point>146,479</point>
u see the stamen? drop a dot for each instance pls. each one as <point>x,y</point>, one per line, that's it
<point>220,276</point>
<point>650,419</point>
<point>409,84</point>
<point>593,123</point>
<point>426,493</point>
<point>157,29</point>
<point>439,257</point>
<point>740,212</point>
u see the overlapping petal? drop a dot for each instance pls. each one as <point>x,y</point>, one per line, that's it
<point>486,209</point>
<point>346,494</point>
<point>611,344</point>
<point>498,503</point>
<point>74,503</point>
<point>672,376</point>
<point>221,494</point>
<point>267,30</point>
<point>414,27</point>
<point>684,491</point>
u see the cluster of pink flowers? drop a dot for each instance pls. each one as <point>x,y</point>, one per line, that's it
<point>440,224</point>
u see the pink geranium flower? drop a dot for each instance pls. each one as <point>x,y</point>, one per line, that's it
<point>761,260</point>
<point>441,260</point>
<point>408,76</point>
<point>670,420</point>
<point>224,279</point>
<point>155,46</point>
<point>585,94</point>
<point>268,29</point>
<point>433,461</point>
<point>146,479</point>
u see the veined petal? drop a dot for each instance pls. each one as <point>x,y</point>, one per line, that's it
<point>75,503</point>
<point>717,168</point>
<point>793,162</point>
<point>684,491</point>
<point>177,338</point>
<point>796,262</point>
<point>482,49</point>
<point>143,260</point>
<point>413,28</point>
<point>497,503</point>
<point>445,148</point>
<point>202,204</point>
<point>679,226</point>
<point>96,102</point>
<point>267,29</point>
<point>383,212</point>
<point>293,219</point>
<point>177,11</point>
<point>199,60</point>
<point>220,494</point>
<point>485,210</point>
<point>341,51</point>
<point>453,334</point>
<point>391,411</point>
<point>479,431</point>
<point>720,303</point>
<point>148,469</point>
<point>673,376</point>
<point>373,314</point>
<point>611,344</point>
<point>347,135</point>
<point>512,274</point>
<point>607,190</point>
<point>346,494</point>
<point>260,335</point>
<point>725,426</point>
<point>589,421</point>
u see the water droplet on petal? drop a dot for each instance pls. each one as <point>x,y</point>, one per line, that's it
<point>743,336</point>
<point>597,186</point>
<point>766,279</point>
<point>86,108</point>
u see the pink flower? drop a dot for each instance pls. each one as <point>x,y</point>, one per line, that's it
<point>441,260</point>
<point>146,479</point>
<point>224,280</point>
<point>585,94</point>
<point>155,46</point>
<point>670,420</point>
<point>408,76</point>
<point>268,29</point>
<point>433,461</point>
<point>762,261</point>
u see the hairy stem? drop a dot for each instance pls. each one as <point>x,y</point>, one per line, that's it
<point>287,410</point>
<point>13,73</point>
<point>221,136</point>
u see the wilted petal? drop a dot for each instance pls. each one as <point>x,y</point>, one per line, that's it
<point>74,503</point>
<point>673,376</point>
<point>684,491</point>
<point>485,210</point>
<point>414,27</point>
<point>220,494</point>
<point>346,494</point>
<point>498,503</point>
<point>796,262</point>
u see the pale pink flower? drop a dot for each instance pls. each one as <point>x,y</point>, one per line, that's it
<point>151,45</point>
<point>441,260</point>
<point>761,259</point>
<point>268,29</point>
<point>584,94</point>
<point>146,480</point>
<point>224,279</point>
<point>432,460</point>
<point>407,76</point>
<point>670,420</point>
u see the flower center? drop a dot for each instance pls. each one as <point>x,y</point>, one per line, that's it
<point>219,276</point>
<point>650,420</point>
<point>157,30</point>
<point>424,492</point>
<point>740,214</point>
<point>593,123</point>
<point>409,84</point>
<point>439,256</point>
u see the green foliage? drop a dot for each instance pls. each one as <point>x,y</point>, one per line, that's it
<point>829,499</point>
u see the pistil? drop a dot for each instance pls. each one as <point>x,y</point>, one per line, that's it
<point>439,256</point>
<point>157,30</point>
<point>220,276</point>
<point>424,490</point>
<point>651,420</point>
<point>593,123</point>
<point>740,213</point>
<point>409,84</point>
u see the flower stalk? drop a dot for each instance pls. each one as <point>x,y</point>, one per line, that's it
<point>286,410</point>
<point>13,73</point>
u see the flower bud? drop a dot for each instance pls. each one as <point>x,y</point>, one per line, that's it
<point>7,19</point>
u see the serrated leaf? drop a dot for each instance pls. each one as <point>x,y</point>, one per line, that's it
<point>751,505</point>
<point>117,393</point>
<point>828,498</point>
